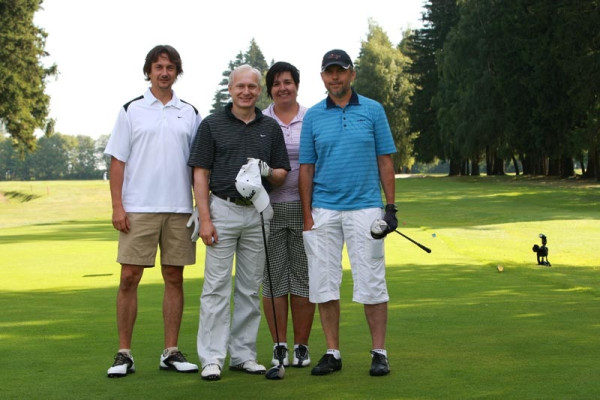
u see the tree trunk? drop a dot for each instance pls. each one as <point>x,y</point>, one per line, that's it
<point>527,164</point>
<point>464,170</point>
<point>567,168</point>
<point>514,160</point>
<point>596,169</point>
<point>475,168</point>
<point>582,165</point>
<point>591,170</point>
<point>454,169</point>
<point>553,167</point>
<point>498,167</point>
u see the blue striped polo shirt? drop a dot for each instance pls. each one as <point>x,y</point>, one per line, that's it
<point>343,144</point>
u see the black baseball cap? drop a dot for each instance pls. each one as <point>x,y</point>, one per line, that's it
<point>336,57</point>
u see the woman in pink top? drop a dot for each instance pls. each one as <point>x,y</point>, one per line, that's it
<point>288,264</point>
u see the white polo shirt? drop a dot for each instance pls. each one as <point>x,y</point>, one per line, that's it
<point>154,142</point>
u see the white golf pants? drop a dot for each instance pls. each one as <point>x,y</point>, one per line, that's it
<point>324,245</point>
<point>240,234</point>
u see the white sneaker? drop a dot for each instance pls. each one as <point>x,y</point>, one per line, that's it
<point>122,366</point>
<point>250,366</point>
<point>301,356</point>
<point>176,362</point>
<point>277,350</point>
<point>211,372</point>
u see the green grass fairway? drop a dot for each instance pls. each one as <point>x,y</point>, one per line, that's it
<point>458,329</point>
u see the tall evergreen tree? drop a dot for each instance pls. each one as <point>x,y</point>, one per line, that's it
<point>254,57</point>
<point>23,103</point>
<point>423,47</point>
<point>470,109</point>
<point>381,76</point>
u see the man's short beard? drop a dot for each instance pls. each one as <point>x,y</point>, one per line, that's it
<point>340,93</point>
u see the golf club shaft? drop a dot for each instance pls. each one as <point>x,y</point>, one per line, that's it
<point>427,249</point>
<point>264,234</point>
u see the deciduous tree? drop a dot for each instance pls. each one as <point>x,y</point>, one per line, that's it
<point>23,103</point>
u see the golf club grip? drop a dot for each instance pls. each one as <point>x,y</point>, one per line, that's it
<point>425,248</point>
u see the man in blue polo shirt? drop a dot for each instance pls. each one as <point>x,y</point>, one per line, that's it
<point>345,154</point>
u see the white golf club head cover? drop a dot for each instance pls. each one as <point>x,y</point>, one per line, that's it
<point>379,229</point>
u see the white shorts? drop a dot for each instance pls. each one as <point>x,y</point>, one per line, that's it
<point>324,244</point>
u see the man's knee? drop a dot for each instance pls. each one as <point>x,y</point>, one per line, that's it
<point>130,277</point>
<point>172,275</point>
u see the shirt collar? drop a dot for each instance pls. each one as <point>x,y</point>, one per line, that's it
<point>174,102</point>
<point>353,100</point>
<point>257,113</point>
<point>270,111</point>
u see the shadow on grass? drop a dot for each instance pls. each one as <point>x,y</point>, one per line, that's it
<point>454,332</point>
<point>70,231</point>
<point>21,197</point>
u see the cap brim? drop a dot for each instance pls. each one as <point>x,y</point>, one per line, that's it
<point>261,200</point>
<point>345,66</point>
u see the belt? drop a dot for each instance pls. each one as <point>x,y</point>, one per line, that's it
<point>238,201</point>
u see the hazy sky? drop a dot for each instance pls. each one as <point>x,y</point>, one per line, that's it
<point>100,46</point>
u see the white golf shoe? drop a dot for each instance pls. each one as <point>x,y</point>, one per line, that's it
<point>176,361</point>
<point>250,366</point>
<point>211,372</point>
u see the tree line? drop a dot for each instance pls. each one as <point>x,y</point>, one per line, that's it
<point>510,80</point>
<point>56,157</point>
<point>484,85</point>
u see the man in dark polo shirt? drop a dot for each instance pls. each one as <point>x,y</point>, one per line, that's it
<point>230,225</point>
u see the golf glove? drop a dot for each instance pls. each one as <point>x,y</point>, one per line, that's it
<point>264,168</point>
<point>390,218</point>
<point>194,220</point>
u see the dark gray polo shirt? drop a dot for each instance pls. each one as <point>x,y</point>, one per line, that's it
<point>224,143</point>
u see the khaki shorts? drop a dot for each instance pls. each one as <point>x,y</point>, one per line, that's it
<point>149,230</point>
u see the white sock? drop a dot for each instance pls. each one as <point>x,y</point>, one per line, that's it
<point>298,344</point>
<point>380,351</point>
<point>335,352</point>
<point>125,351</point>
<point>170,350</point>
<point>284,344</point>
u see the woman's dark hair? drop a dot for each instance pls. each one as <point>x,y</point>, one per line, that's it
<point>156,52</point>
<point>278,68</point>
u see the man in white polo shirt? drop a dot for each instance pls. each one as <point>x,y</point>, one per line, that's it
<point>150,185</point>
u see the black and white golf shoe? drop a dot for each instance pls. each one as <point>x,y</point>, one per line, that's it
<point>301,356</point>
<point>122,366</point>
<point>280,352</point>
<point>176,361</point>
